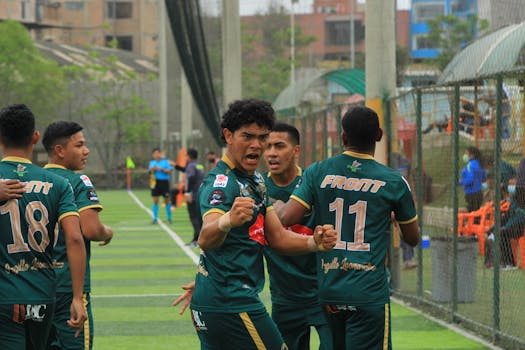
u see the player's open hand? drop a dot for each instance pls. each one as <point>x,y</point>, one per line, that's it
<point>11,189</point>
<point>186,297</point>
<point>241,211</point>
<point>325,237</point>
<point>78,315</point>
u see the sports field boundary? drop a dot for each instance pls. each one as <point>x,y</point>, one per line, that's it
<point>187,250</point>
<point>195,258</point>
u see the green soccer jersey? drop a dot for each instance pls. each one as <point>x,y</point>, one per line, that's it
<point>28,232</point>
<point>230,277</point>
<point>356,194</point>
<point>293,279</point>
<point>85,198</point>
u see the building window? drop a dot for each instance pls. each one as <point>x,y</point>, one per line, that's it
<point>119,9</point>
<point>124,42</point>
<point>74,5</point>
<point>424,12</point>
<point>422,42</point>
<point>338,32</point>
<point>25,9</point>
<point>462,6</point>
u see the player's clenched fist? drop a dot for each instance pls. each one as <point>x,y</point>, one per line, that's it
<point>241,211</point>
<point>325,237</point>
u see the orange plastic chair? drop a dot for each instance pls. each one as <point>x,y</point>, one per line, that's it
<point>519,260</point>
<point>479,222</point>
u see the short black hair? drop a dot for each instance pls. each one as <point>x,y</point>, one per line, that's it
<point>210,153</point>
<point>292,131</point>
<point>17,126</point>
<point>361,126</point>
<point>248,111</point>
<point>192,153</point>
<point>58,133</point>
<point>155,150</point>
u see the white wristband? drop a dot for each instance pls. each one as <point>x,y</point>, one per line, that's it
<point>225,224</point>
<point>312,246</point>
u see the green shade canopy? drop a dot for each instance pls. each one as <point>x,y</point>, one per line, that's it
<point>496,52</point>
<point>353,80</point>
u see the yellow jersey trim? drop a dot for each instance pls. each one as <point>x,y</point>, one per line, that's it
<point>94,206</point>
<point>69,213</point>
<point>54,166</point>
<point>358,155</point>
<point>228,161</point>
<point>408,221</point>
<point>303,203</point>
<point>16,159</point>
<point>218,211</point>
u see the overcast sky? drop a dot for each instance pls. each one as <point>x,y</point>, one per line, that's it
<point>251,7</point>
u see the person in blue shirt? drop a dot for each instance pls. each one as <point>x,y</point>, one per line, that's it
<point>160,171</point>
<point>472,176</point>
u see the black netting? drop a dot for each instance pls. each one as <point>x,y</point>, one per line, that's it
<point>186,24</point>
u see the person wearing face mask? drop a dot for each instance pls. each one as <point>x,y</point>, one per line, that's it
<point>472,176</point>
<point>212,159</point>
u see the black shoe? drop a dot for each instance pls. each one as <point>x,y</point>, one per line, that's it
<point>169,222</point>
<point>154,222</point>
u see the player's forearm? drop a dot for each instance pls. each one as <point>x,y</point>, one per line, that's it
<point>76,255</point>
<point>211,236</point>
<point>291,243</point>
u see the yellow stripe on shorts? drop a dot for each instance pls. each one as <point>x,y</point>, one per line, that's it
<point>253,332</point>
<point>387,325</point>
<point>86,324</point>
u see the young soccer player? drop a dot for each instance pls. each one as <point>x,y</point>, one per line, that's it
<point>238,221</point>
<point>27,295</point>
<point>357,195</point>
<point>293,279</point>
<point>67,152</point>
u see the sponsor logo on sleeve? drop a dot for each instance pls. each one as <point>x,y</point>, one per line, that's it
<point>85,179</point>
<point>217,197</point>
<point>92,195</point>
<point>221,180</point>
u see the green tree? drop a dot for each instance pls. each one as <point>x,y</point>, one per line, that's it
<point>27,76</point>
<point>266,53</point>
<point>450,34</point>
<point>109,105</point>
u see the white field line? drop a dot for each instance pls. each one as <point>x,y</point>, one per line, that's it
<point>194,257</point>
<point>448,325</point>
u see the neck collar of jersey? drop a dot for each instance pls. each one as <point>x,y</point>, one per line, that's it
<point>358,155</point>
<point>228,161</point>
<point>54,166</point>
<point>16,159</point>
<point>299,171</point>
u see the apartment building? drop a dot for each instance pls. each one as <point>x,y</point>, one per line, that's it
<point>131,23</point>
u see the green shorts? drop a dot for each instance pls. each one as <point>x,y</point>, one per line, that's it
<point>25,326</point>
<point>62,336</point>
<point>360,328</point>
<point>295,323</point>
<point>252,330</point>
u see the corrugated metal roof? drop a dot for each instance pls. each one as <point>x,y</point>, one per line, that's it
<point>353,80</point>
<point>493,53</point>
<point>69,54</point>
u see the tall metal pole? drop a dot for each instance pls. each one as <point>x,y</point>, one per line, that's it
<point>163,75</point>
<point>292,44</point>
<point>352,35</point>
<point>380,79</point>
<point>231,52</point>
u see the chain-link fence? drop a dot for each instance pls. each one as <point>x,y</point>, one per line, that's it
<point>470,266</point>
